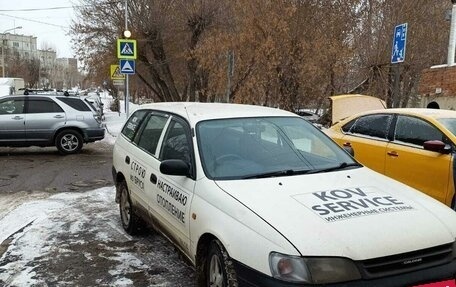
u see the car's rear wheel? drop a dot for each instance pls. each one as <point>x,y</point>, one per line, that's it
<point>69,142</point>
<point>130,221</point>
<point>219,267</point>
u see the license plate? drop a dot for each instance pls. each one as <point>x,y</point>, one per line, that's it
<point>448,283</point>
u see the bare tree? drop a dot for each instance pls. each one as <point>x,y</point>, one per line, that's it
<point>286,53</point>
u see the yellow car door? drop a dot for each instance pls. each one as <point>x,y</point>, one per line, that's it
<point>367,135</point>
<point>407,161</point>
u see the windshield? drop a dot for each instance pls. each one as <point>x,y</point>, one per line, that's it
<point>449,123</point>
<point>266,146</point>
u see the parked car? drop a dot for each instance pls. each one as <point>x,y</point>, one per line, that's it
<point>256,196</point>
<point>308,115</point>
<point>414,146</point>
<point>95,103</point>
<point>47,120</point>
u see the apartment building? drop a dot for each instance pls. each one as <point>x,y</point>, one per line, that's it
<point>53,72</point>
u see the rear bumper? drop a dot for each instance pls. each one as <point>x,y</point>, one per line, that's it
<point>92,135</point>
<point>251,278</point>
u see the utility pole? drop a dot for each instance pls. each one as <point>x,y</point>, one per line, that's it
<point>230,73</point>
<point>452,40</point>
<point>127,34</point>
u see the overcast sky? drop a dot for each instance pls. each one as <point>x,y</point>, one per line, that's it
<point>48,21</point>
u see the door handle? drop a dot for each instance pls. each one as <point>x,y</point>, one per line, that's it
<point>59,117</point>
<point>127,159</point>
<point>18,118</point>
<point>393,153</point>
<point>347,144</point>
<point>153,178</point>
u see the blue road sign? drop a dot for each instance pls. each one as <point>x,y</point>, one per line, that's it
<point>399,44</point>
<point>127,67</point>
<point>126,49</point>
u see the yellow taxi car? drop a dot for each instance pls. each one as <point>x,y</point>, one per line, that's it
<point>413,146</point>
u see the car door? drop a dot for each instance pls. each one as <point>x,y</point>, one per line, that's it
<point>173,194</point>
<point>12,119</point>
<point>43,117</point>
<point>368,136</point>
<point>144,163</point>
<point>408,162</point>
<point>131,161</point>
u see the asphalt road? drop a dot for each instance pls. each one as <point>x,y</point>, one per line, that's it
<point>80,242</point>
<point>35,169</point>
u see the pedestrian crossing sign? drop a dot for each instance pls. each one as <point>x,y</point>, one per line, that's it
<point>127,66</point>
<point>126,49</point>
<point>116,74</point>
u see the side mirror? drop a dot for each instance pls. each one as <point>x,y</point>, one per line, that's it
<point>175,167</point>
<point>350,150</point>
<point>437,146</point>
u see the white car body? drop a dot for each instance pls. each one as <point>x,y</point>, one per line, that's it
<point>351,213</point>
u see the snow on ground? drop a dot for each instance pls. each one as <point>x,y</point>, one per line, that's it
<point>32,230</point>
<point>76,239</point>
<point>114,120</point>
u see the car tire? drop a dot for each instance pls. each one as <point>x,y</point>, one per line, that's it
<point>220,270</point>
<point>68,142</point>
<point>453,203</point>
<point>130,221</point>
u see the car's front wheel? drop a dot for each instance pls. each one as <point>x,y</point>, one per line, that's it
<point>220,270</point>
<point>69,142</point>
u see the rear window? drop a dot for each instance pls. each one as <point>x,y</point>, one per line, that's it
<point>75,103</point>
<point>39,106</point>
<point>346,128</point>
<point>372,125</point>
<point>132,125</point>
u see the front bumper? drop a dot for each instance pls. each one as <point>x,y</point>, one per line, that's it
<point>249,277</point>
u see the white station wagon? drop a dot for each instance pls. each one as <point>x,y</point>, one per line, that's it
<point>257,196</point>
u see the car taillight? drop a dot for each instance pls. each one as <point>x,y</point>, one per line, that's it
<point>97,118</point>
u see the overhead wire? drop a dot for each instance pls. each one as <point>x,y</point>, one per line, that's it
<point>38,9</point>
<point>46,9</point>
<point>53,8</point>
<point>36,21</point>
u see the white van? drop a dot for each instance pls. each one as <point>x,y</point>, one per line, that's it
<point>255,196</point>
<point>11,86</point>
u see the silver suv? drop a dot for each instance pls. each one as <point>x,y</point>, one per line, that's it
<point>47,120</point>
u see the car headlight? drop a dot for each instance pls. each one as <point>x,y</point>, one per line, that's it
<point>314,270</point>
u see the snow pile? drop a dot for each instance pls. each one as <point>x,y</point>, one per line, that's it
<point>114,121</point>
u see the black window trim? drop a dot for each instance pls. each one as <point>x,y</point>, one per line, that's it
<point>136,132</point>
<point>446,140</point>
<point>62,100</point>
<point>169,115</point>
<point>9,98</point>
<point>388,132</point>
<point>141,128</point>
<point>188,131</point>
<point>28,99</point>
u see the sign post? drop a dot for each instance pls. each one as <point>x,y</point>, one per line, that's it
<point>397,57</point>
<point>126,53</point>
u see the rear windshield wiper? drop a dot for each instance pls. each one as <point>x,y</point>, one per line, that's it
<point>341,166</point>
<point>286,172</point>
